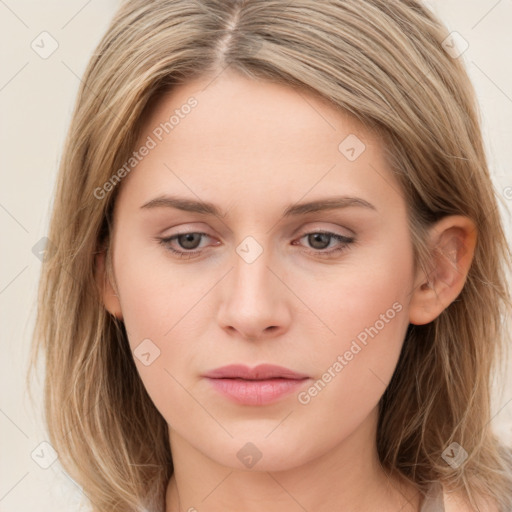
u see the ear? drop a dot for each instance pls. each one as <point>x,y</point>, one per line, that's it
<point>453,240</point>
<point>104,280</point>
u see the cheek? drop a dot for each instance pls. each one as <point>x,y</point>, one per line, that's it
<point>354,369</point>
<point>368,292</point>
<point>162,306</point>
<point>156,294</point>
<point>366,309</point>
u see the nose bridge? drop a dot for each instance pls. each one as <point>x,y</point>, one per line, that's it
<point>252,278</point>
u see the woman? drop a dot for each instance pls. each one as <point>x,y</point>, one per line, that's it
<point>278,274</point>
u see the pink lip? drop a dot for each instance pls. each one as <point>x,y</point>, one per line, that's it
<point>255,386</point>
<point>260,372</point>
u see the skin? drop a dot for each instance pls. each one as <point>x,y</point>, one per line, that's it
<point>254,148</point>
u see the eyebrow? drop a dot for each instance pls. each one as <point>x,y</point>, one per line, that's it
<point>206,208</point>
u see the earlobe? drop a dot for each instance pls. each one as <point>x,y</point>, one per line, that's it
<point>453,241</point>
<point>108,294</point>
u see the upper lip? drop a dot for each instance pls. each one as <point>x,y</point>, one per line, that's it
<point>260,372</point>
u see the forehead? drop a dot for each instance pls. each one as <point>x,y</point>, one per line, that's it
<point>232,108</point>
<point>232,137</point>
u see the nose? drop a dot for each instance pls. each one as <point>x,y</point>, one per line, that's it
<point>254,300</point>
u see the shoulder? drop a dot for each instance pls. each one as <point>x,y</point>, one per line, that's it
<point>454,502</point>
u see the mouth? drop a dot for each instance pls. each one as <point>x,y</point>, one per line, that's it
<point>260,372</point>
<point>261,385</point>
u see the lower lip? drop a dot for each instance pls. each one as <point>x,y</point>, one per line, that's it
<point>256,392</point>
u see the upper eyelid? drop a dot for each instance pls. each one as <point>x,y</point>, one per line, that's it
<point>313,229</point>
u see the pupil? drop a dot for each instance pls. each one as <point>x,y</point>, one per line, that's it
<point>189,240</point>
<point>318,236</point>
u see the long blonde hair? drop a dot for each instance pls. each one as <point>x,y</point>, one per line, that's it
<point>381,61</point>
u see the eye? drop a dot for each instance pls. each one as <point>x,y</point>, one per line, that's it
<point>319,240</point>
<point>187,241</point>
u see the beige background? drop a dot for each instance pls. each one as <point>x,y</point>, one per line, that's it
<point>36,99</point>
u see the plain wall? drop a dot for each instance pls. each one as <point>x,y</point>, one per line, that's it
<point>36,99</point>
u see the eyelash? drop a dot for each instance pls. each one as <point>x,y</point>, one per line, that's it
<point>346,241</point>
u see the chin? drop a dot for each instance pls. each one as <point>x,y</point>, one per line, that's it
<point>260,454</point>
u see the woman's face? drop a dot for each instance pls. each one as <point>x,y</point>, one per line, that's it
<point>257,282</point>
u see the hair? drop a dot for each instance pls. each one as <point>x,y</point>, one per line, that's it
<point>381,62</point>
